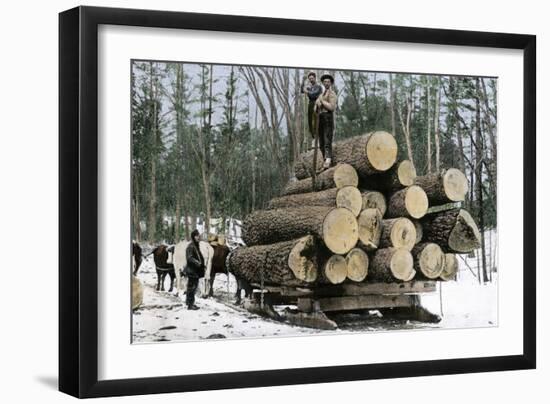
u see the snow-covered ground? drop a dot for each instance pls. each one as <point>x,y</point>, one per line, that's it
<point>164,317</point>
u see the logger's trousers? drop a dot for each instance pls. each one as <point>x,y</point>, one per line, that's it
<point>326,130</point>
<point>311,124</point>
<point>192,285</point>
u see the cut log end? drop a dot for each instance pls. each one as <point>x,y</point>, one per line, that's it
<point>349,197</point>
<point>340,230</point>
<point>374,199</point>
<point>455,185</point>
<point>430,260</point>
<point>403,234</point>
<point>300,262</point>
<point>416,201</point>
<point>450,268</point>
<point>406,173</point>
<point>401,265</point>
<point>344,175</point>
<point>370,228</point>
<point>465,236</point>
<point>336,269</point>
<point>381,150</point>
<point>357,262</point>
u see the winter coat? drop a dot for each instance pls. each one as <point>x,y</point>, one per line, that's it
<point>195,262</point>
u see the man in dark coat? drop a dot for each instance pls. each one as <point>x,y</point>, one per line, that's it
<point>194,270</point>
<point>313,90</point>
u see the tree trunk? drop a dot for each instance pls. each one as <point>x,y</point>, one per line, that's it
<point>406,124</point>
<point>453,93</point>
<point>357,263</point>
<point>409,202</point>
<point>447,186</point>
<point>450,269</point>
<point>428,133</point>
<point>436,125</point>
<point>136,218</point>
<point>368,154</point>
<point>392,104</point>
<point>479,179</point>
<point>398,233</point>
<point>401,175</point>
<point>370,229</point>
<point>453,230</point>
<point>177,220</point>
<point>335,177</point>
<point>152,222</point>
<point>428,260</point>
<point>337,227</point>
<point>391,265</point>
<point>289,263</point>
<point>374,200</point>
<point>347,197</point>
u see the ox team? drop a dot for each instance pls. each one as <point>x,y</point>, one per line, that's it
<point>194,259</point>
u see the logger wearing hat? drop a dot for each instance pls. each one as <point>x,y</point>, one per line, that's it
<point>194,270</point>
<point>312,90</point>
<point>325,107</point>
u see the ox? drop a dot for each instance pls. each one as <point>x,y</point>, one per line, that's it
<point>163,265</point>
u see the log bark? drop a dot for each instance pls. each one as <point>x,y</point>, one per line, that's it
<point>453,230</point>
<point>391,265</point>
<point>290,263</point>
<point>337,227</point>
<point>446,186</point>
<point>335,177</point>
<point>398,233</point>
<point>401,175</point>
<point>370,229</point>
<point>428,260</point>
<point>450,268</point>
<point>357,263</point>
<point>419,232</point>
<point>374,199</point>
<point>409,202</point>
<point>347,197</point>
<point>369,154</point>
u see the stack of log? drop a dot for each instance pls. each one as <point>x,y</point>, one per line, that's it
<point>368,218</point>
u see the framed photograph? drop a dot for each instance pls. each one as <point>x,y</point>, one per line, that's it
<point>251,202</point>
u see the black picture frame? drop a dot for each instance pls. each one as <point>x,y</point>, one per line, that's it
<point>78,201</point>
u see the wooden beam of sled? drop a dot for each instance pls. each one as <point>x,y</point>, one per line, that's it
<point>357,289</point>
<point>354,302</point>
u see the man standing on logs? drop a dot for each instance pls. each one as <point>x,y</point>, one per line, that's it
<point>325,107</point>
<point>313,90</point>
<point>194,270</point>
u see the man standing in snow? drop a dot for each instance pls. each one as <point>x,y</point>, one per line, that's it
<point>194,270</point>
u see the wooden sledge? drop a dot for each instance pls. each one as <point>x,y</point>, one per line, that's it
<point>399,300</point>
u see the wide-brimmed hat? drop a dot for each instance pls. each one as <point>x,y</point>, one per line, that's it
<point>327,76</point>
